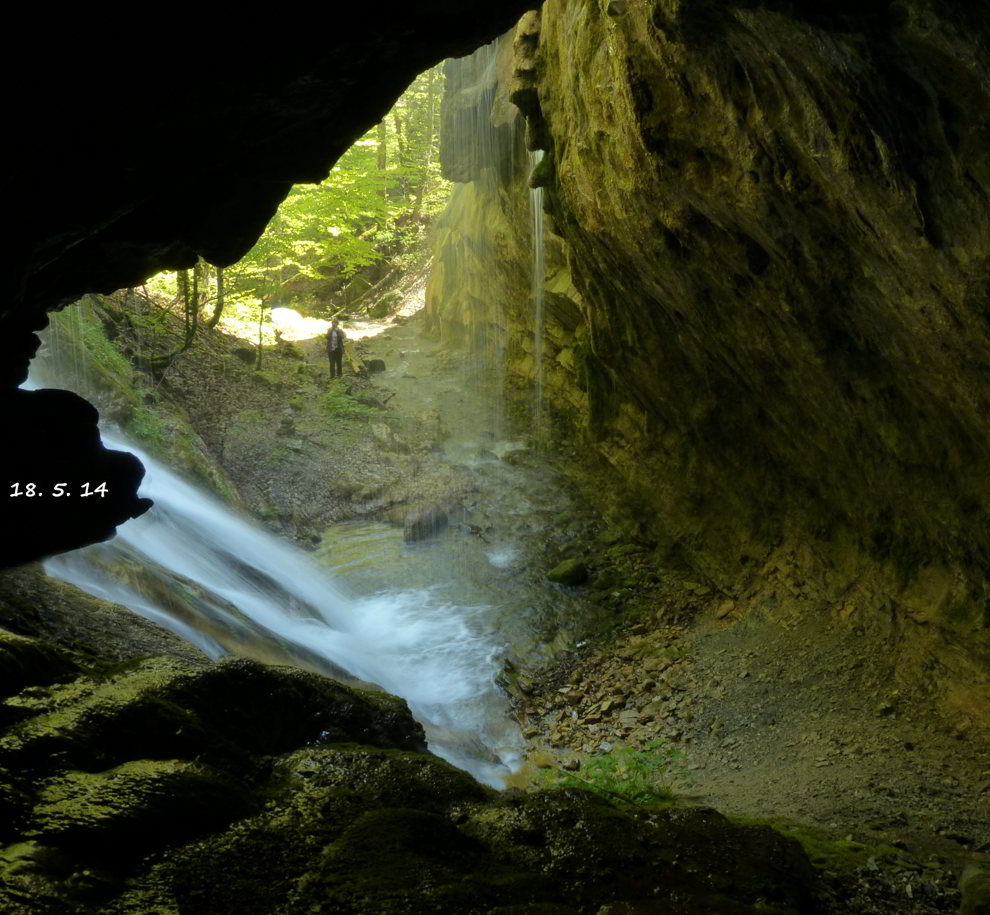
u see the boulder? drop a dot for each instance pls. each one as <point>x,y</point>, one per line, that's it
<point>569,572</point>
<point>974,883</point>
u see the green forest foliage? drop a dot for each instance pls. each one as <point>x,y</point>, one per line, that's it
<point>371,210</point>
<point>330,242</point>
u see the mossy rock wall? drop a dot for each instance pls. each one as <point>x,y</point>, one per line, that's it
<point>767,278</point>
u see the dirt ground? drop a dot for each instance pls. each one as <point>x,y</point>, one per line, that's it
<point>799,725</point>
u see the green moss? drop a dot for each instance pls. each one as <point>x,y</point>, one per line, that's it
<point>268,378</point>
<point>962,611</point>
<point>624,549</point>
<point>569,572</point>
<point>136,805</point>
<point>81,340</point>
<point>626,776</point>
<point>341,405</point>
<point>149,428</point>
<point>25,661</point>
<point>544,173</point>
<point>825,851</point>
<point>188,449</point>
<point>607,579</point>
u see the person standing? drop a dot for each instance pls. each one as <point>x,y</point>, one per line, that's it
<point>335,349</point>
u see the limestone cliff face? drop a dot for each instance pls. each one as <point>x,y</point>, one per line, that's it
<point>771,268</point>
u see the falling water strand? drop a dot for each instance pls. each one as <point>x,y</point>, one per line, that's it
<point>488,320</point>
<point>539,268</point>
<point>471,258</point>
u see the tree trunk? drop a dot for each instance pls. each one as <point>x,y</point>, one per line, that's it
<point>399,138</point>
<point>261,322</point>
<point>430,133</point>
<point>182,287</point>
<point>190,313</point>
<point>192,310</point>
<point>383,164</point>
<point>218,307</point>
<point>382,146</point>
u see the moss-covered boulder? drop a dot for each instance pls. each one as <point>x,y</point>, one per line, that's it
<point>569,572</point>
<point>136,807</point>
<point>118,761</point>
<point>391,847</point>
<point>25,661</point>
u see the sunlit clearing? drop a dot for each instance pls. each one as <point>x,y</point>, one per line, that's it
<point>293,326</point>
<point>354,247</point>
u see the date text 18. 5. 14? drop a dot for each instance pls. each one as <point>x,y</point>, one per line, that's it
<point>59,490</point>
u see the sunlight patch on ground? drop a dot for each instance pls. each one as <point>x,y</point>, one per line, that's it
<point>293,326</point>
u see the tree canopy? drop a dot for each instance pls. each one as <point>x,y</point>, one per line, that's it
<point>368,216</point>
<point>332,245</point>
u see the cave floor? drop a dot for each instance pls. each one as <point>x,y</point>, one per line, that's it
<point>801,725</point>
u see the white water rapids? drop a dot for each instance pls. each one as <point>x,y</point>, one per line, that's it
<point>203,570</point>
<point>247,579</point>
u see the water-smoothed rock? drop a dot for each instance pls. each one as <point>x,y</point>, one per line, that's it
<point>60,615</point>
<point>228,712</point>
<point>130,759</point>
